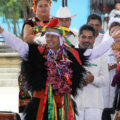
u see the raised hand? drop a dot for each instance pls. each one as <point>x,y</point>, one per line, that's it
<point>115,34</point>
<point>1,29</point>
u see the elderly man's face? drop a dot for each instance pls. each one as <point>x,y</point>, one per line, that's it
<point>86,39</point>
<point>65,22</point>
<point>53,42</point>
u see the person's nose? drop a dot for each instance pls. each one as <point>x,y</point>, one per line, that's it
<point>86,39</point>
<point>48,38</point>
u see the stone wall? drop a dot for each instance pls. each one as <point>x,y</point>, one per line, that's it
<point>9,69</point>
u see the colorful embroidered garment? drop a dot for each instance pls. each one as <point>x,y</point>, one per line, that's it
<point>59,74</point>
<point>57,77</point>
<point>53,76</point>
<point>24,96</point>
<point>58,87</point>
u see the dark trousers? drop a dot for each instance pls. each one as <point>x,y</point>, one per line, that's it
<point>106,115</point>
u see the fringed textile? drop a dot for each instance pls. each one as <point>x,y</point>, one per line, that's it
<point>56,112</point>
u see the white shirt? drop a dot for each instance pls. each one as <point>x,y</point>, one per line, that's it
<point>91,95</point>
<point>111,59</point>
<point>109,91</point>
<point>114,13</point>
<point>106,88</point>
<point>98,39</point>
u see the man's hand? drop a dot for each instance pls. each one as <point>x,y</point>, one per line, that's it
<point>117,115</point>
<point>115,34</point>
<point>89,78</point>
<point>1,29</point>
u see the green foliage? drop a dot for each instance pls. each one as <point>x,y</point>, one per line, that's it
<point>12,10</point>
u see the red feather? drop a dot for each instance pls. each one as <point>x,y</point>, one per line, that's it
<point>53,23</point>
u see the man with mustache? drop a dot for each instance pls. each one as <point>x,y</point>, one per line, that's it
<point>90,99</point>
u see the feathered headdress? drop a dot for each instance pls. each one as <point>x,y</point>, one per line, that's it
<point>35,4</point>
<point>52,27</point>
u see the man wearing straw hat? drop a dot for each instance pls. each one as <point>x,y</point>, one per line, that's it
<point>64,17</point>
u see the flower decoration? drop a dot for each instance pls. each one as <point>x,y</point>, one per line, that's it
<point>59,73</point>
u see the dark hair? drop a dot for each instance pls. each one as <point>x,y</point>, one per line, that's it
<point>114,24</point>
<point>40,0</point>
<point>117,1</point>
<point>94,17</point>
<point>87,27</point>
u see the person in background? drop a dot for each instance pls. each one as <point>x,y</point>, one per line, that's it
<point>105,22</point>
<point>112,64</point>
<point>116,78</point>
<point>96,22</point>
<point>115,12</point>
<point>41,8</point>
<point>64,17</point>
<point>90,99</point>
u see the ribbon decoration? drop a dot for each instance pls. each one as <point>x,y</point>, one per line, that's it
<point>74,51</point>
<point>43,30</point>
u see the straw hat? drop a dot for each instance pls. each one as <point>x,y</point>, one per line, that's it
<point>64,12</point>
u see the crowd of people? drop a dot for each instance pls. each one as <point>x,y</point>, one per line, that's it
<point>67,75</point>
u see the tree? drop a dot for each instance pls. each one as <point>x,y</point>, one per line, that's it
<point>13,10</point>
